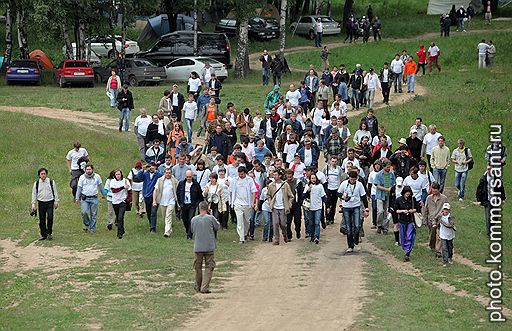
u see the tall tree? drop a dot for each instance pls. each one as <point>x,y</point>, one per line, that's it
<point>21,22</point>
<point>329,8</point>
<point>8,35</point>
<point>244,11</point>
<point>282,26</point>
<point>171,9</point>
<point>347,9</point>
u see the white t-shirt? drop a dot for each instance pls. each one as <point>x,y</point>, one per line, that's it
<point>432,51</point>
<point>279,199</point>
<point>190,109</point>
<point>119,197</point>
<point>319,27</point>
<point>355,192</point>
<point>332,177</point>
<point>203,177</point>
<point>376,140</point>
<point>142,124</point>
<point>241,191</point>
<point>293,97</point>
<point>298,170</point>
<point>321,177</point>
<point>317,116</point>
<point>445,232</point>
<point>371,180</point>
<point>317,192</point>
<point>290,150</point>
<point>74,155</point>
<point>167,197</point>
<point>416,186</point>
<point>207,74</point>
<point>188,196</point>
<point>397,66</point>
<point>135,186</point>
<point>308,157</point>
<point>482,48</point>
<point>268,131</point>
<point>224,182</point>
<point>263,197</point>
<point>430,140</point>
<point>194,84</point>
<point>355,163</point>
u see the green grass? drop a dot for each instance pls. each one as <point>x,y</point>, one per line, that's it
<point>104,291</point>
<point>400,301</point>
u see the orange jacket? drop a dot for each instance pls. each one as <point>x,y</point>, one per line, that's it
<point>410,68</point>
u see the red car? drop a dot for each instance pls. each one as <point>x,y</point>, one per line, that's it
<point>74,72</point>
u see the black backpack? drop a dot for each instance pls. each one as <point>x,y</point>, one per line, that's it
<point>471,163</point>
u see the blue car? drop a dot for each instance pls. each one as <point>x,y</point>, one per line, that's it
<point>23,71</point>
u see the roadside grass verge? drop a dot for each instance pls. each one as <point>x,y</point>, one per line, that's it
<point>141,281</point>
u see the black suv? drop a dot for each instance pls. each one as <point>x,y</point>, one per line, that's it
<point>259,28</point>
<point>181,43</point>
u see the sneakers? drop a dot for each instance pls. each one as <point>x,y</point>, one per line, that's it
<point>42,238</point>
<point>273,243</point>
<point>357,248</point>
<point>109,227</point>
<point>407,258</point>
<point>461,200</point>
<point>379,231</point>
<point>444,264</point>
<point>317,241</point>
<point>349,250</point>
<point>49,237</point>
<point>397,243</point>
<point>373,227</point>
<point>450,261</point>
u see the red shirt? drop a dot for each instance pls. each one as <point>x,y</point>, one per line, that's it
<point>113,83</point>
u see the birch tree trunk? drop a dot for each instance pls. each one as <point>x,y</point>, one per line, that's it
<point>81,34</point>
<point>113,20</point>
<point>282,26</point>
<point>242,56</point>
<point>8,37</point>
<point>67,42</point>
<point>22,33</point>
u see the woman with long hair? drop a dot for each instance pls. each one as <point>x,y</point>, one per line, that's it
<point>174,139</point>
<point>194,84</point>
<point>119,186</point>
<point>214,194</point>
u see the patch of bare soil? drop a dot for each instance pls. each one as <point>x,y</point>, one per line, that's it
<point>16,258</point>
<point>289,290</point>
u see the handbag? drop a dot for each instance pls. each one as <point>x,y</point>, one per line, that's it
<point>418,217</point>
<point>128,200</point>
<point>306,204</point>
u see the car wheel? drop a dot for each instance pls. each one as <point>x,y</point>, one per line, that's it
<point>311,34</point>
<point>8,82</point>
<point>132,80</point>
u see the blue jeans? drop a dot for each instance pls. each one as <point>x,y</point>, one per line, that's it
<point>439,176</point>
<point>190,123</point>
<point>265,75</point>
<point>355,97</point>
<point>89,210</point>
<point>314,223</point>
<point>460,182</point>
<point>267,225</point>
<point>352,217</point>
<point>397,81</point>
<point>124,114</point>
<point>410,82</point>
<point>343,91</point>
<point>113,101</point>
<point>460,24</point>
<point>318,39</point>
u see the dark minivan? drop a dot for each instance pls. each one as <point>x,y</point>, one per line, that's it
<point>181,43</point>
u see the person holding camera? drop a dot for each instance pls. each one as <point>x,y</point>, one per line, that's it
<point>352,193</point>
<point>44,192</point>
<point>213,192</point>
<point>89,184</point>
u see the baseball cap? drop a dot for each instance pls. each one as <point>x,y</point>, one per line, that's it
<point>261,131</point>
<point>402,141</point>
<point>446,205</point>
<point>414,131</point>
<point>399,181</point>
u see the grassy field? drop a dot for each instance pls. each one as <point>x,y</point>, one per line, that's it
<point>462,101</point>
<point>141,281</point>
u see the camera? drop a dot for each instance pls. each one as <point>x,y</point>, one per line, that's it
<point>33,213</point>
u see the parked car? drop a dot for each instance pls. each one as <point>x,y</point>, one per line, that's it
<point>181,43</point>
<point>306,26</point>
<point>71,72</point>
<point>138,71</point>
<point>94,60</point>
<point>179,70</point>
<point>258,28</point>
<point>23,71</point>
<point>102,45</point>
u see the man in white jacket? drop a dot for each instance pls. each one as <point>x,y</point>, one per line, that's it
<point>372,82</point>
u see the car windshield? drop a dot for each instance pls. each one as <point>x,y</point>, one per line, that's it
<point>207,59</point>
<point>143,63</point>
<point>25,64</point>
<point>76,64</point>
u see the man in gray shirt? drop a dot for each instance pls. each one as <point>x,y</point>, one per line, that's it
<point>44,192</point>
<point>204,230</point>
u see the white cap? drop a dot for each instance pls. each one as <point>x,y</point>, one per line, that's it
<point>399,181</point>
<point>446,205</point>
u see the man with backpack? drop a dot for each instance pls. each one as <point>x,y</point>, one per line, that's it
<point>45,193</point>
<point>463,160</point>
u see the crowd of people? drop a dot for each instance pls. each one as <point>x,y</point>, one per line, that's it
<point>287,169</point>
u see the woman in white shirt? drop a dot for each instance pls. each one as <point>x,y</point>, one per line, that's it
<point>268,232</point>
<point>377,166</point>
<point>138,199</point>
<point>213,192</point>
<point>316,194</point>
<point>194,84</point>
<point>202,174</point>
<point>111,216</point>
<point>224,182</point>
<point>119,186</point>
<point>362,132</point>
